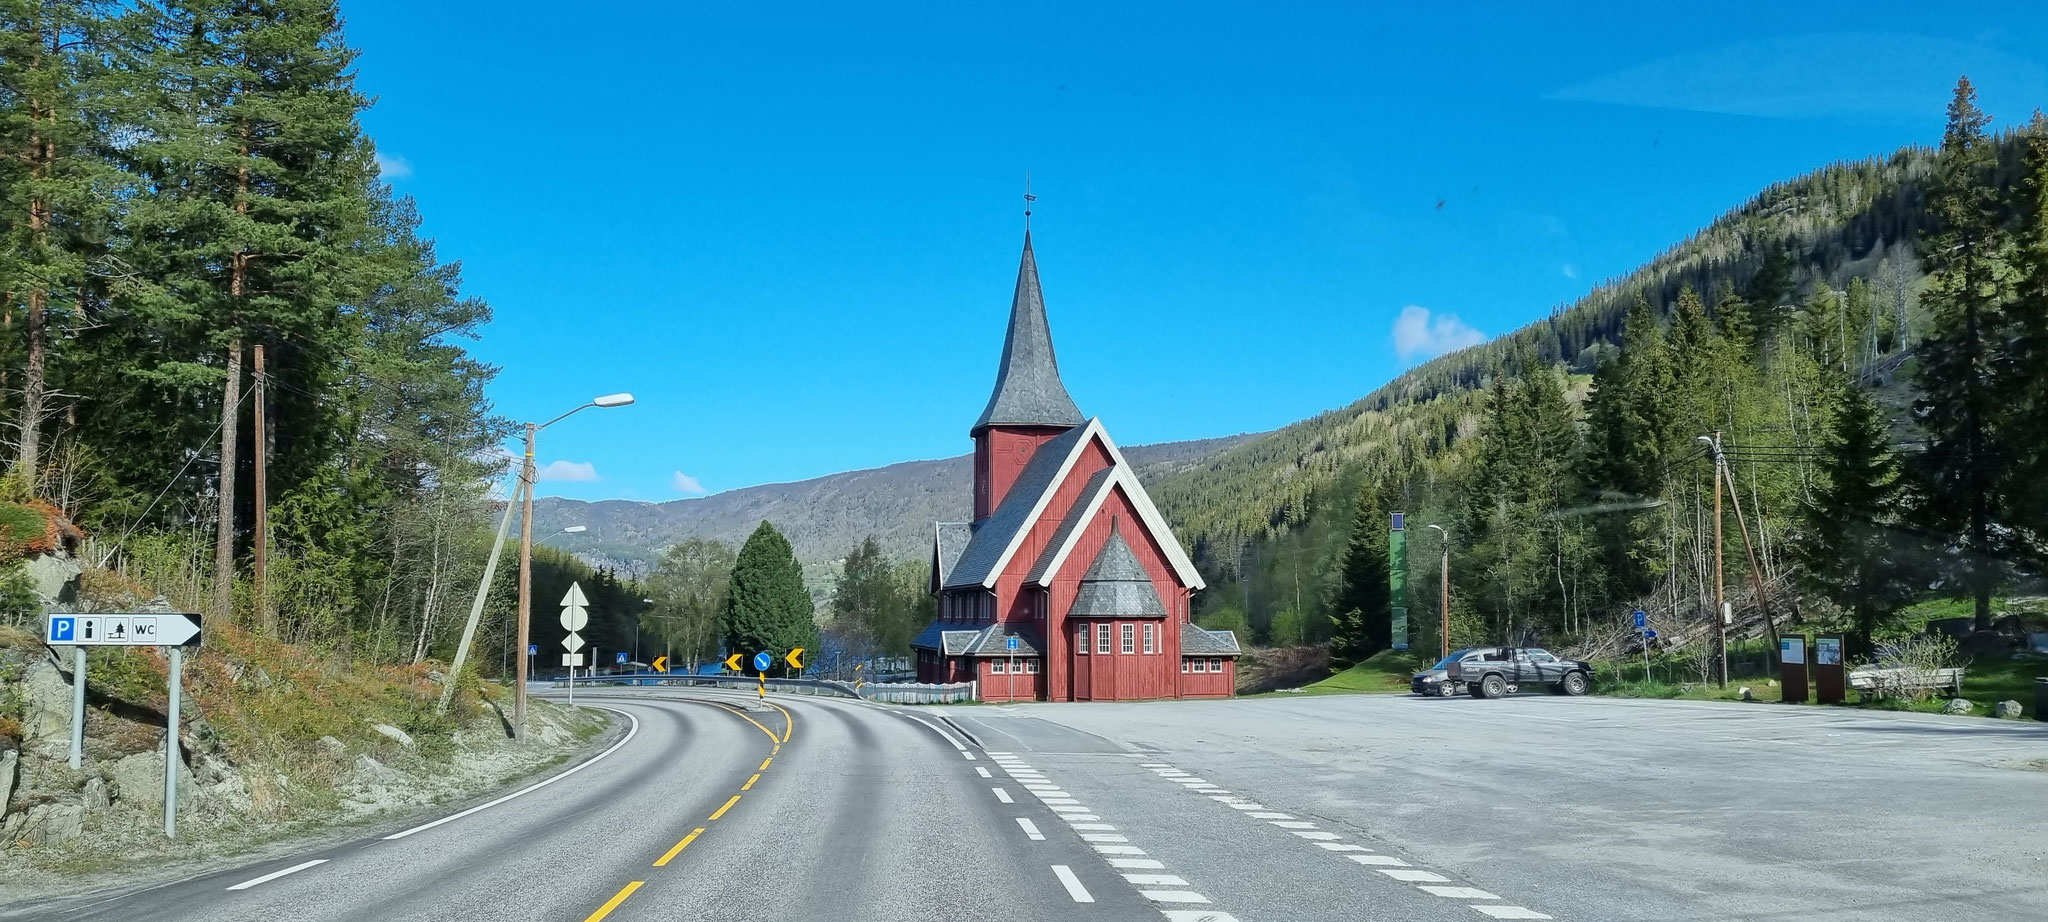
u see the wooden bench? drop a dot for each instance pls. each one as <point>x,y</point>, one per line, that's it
<point>1870,680</point>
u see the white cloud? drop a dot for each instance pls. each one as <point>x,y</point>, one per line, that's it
<point>570,471</point>
<point>1417,335</point>
<point>686,484</point>
<point>391,166</point>
<point>1570,271</point>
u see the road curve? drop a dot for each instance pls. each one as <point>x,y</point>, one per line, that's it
<point>717,806</point>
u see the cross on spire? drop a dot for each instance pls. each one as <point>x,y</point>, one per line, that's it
<point>1028,199</point>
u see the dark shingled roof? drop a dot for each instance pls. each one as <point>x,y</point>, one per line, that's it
<point>994,534</point>
<point>1075,519</point>
<point>1195,641</point>
<point>949,539</point>
<point>946,637</point>
<point>1117,586</point>
<point>992,642</point>
<point>1028,389</point>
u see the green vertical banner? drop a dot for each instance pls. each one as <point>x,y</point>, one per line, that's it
<point>1397,579</point>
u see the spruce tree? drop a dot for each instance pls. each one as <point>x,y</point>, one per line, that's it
<point>1363,620</point>
<point>2024,377</point>
<point>1848,545</point>
<point>767,608</point>
<point>1957,406</point>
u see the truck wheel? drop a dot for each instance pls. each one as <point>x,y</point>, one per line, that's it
<point>1493,686</point>
<point>1574,684</point>
<point>1475,690</point>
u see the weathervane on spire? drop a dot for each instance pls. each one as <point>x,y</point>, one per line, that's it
<point>1028,199</point>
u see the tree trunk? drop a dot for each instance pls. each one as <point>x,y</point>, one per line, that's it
<point>224,538</point>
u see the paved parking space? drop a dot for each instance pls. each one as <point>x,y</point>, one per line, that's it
<point>1596,808</point>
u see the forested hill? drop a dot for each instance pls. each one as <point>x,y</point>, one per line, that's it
<point>823,517</point>
<point>1849,220</point>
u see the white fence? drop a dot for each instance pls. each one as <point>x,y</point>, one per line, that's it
<point>920,692</point>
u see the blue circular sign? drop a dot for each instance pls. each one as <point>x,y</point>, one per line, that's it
<point>762,661</point>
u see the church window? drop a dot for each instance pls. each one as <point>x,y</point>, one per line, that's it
<point>1130,631</point>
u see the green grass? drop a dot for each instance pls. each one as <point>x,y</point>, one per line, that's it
<point>1987,682</point>
<point>1385,671</point>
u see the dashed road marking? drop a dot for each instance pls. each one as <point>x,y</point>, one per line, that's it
<point>1173,896</point>
<point>1003,795</point>
<point>1199,915</point>
<point>1414,876</point>
<point>1100,827</point>
<point>1104,837</point>
<point>673,852</point>
<point>1150,864</point>
<point>1030,830</point>
<point>1072,883</point>
<point>728,805</point>
<point>1511,912</point>
<point>1293,824</point>
<point>1118,849</point>
<point>1459,893</point>
<point>267,878</point>
<point>1316,834</point>
<point>1156,880</point>
<point>982,771</point>
<point>1270,815</point>
<point>1378,859</point>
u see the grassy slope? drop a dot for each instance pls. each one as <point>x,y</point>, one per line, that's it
<point>1385,671</point>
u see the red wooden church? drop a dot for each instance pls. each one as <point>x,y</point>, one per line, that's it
<point>1068,585</point>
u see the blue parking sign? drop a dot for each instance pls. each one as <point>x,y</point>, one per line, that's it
<point>1642,619</point>
<point>63,630</point>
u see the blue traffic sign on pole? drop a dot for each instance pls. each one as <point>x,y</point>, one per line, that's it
<point>62,629</point>
<point>762,661</point>
<point>1642,619</point>
<point>533,649</point>
<point>622,659</point>
<point>1649,635</point>
<point>1010,643</point>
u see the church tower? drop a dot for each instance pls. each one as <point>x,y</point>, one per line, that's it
<point>1029,405</point>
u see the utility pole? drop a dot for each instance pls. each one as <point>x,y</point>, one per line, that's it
<point>1756,573</point>
<point>525,582</point>
<point>224,536</point>
<point>1443,634</point>
<point>261,557</point>
<point>1720,588</point>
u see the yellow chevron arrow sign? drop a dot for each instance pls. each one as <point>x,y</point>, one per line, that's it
<point>660,664</point>
<point>795,659</point>
<point>733,662</point>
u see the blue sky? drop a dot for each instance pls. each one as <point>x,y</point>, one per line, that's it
<point>791,230</point>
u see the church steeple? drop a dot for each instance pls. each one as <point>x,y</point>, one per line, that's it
<point>1028,391</point>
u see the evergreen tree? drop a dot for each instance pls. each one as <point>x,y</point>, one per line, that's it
<point>766,606</point>
<point>1848,545</point>
<point>1363,619</point>
<point>1957,407</point>
<point>2024,377</point>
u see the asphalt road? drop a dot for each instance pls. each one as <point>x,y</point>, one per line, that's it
<point>719,807</point>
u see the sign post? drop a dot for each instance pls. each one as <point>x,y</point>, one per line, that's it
<point>1397,580</point>
<point>176,630</point>
<point>1830,681</point>
<point>1010,643</point>
<point>573,620</point>
<point>1792,666</point>
<point>1646,635</point>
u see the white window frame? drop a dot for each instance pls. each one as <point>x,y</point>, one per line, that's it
<point>1081,645</point>
<point>1201,665</point>
<point>1185,666</point>
<point>1151,638</point>
<point>995,666</point>
<point>1127,639</point>
<point>1102,641</point>
<point>1216,664</point>
<point>1031,666</point>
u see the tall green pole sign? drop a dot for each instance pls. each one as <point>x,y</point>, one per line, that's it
<point>1397,580</point>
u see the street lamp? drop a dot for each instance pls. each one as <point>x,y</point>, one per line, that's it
<point>526,477</point>
<point>1443,634</point>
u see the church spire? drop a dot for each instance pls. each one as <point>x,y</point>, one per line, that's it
<point>1028,390</point>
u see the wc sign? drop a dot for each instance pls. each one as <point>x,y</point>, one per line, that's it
<point>180,629</point>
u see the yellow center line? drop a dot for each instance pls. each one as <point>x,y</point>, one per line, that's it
<point>764,763</point>
<point>673,852</point>
<point>607,908</point>
<point>728,805</point>
<point>743,716</point>
<point>750,782</point>
<point>788,722</point>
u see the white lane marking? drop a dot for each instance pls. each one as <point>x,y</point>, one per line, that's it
<point>631,731</point>
<point>969,755</point>
<point>1030,830</point>
<point>1198,915</point>
<point>1248,805</point>
<point>1293,824</point>
<point>267,878</point>
<point>1343,847</point>
<point>1099,827</point>
<point>1156,880</point>
<point>935,729</point>
<point>1104,837</point>
<point>982,771</point>
<point>1058,801</point>
<point>1173,896</point>
<point>1458,893</point>
<point>1224,797</point>
<point>1150,864</point>
<point>1511,912</point>
<point>1003,795</point>
<point>1271,816</point>
<point>1066,808</point>
<point>1078,818</point>
<point>1378,859</point>
<point>1073,884</point>
<point>1414,876</point>
<point>1119,849</point>
<point>1316,834</point>
<point>996,752</point>
<point>1153,765</point>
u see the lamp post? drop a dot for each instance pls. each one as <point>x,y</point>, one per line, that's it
<point>526,476</point>
<point>1443,633</point>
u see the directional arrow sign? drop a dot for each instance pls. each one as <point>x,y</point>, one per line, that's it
<point>177,629</point>
<point>733,662</point>
<point>573,642</point>
<point>795,659</point>
<point>762,661</point>
<point>573,615</point>
<point>660,664</point>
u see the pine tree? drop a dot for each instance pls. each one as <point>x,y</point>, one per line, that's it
<point>2024,378</point>
<point>766,606</point>
<point>1848,545</point>
<point>1363,619</point>
<point>1957,406</point>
